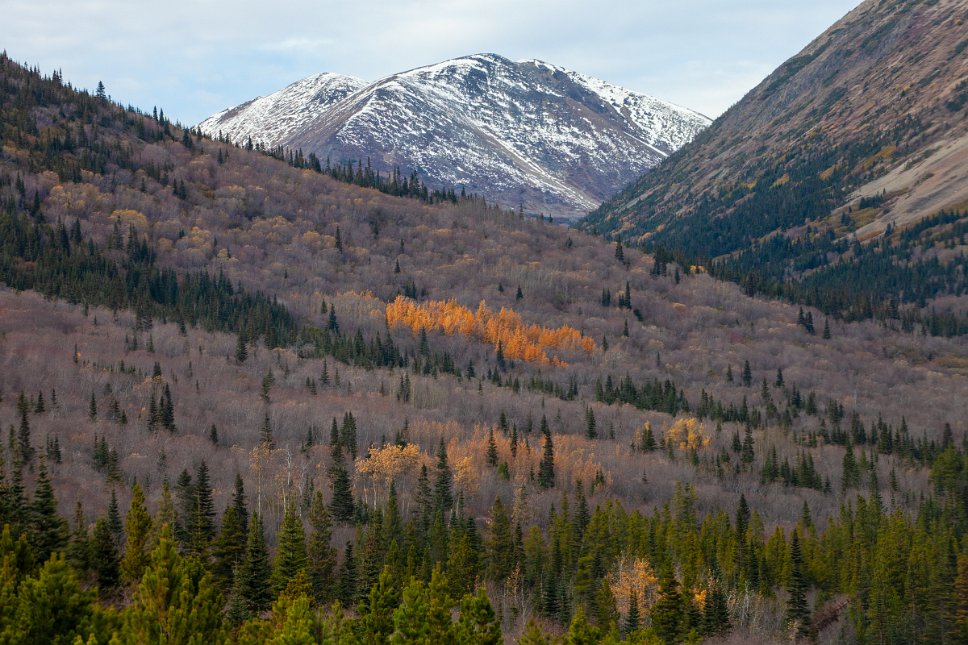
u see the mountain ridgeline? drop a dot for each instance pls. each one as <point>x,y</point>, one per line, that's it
<point>839,181</point>
<point>527,135</point>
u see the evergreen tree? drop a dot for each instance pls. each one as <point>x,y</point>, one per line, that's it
<point>632,618</point>
<point>444,482</point>
<point>798,613</point>
<point>79,545</point>
<point>176,601</point>
<point>376,617</point>
<point>253,576</point>
<point>202,526</point>
<point>291,550</point>
<point>228,548</point>
<point>51,607</point>
<point>320,555</point>
<point>48,531</point>
<point>241,353</point>
<point>499,543</point>
<point>341,505</point>
<point>137,531</point>
<point>477,623</point>
<point>346,590</point>
<point>590,426</point>
<point>104,555</point>
<point>668,613</point>
<point>546,469</point>
<point>491,449</point>
<point>747,374</point>
<point>716,612</point>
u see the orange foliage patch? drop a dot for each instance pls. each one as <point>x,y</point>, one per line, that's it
<point>505,327</point>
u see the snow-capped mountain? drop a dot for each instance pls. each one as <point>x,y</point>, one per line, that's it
<point>524,134</point>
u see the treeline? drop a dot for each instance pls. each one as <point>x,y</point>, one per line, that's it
<point>59,262</point>
<point>392,183</point>
<point>607,574</point>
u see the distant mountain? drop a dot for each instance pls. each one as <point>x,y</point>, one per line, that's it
<point>524,134</point>
<point>861,137</point>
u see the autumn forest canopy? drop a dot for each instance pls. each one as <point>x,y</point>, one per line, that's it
<point>247,396</point>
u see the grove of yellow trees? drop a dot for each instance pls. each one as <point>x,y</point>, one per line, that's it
<point>505,328</point>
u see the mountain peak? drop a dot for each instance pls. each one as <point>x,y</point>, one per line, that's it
<point>557,142</point>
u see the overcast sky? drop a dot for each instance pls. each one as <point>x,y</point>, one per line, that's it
<point>194,58</point>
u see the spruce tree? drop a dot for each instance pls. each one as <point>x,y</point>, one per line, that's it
<point>137,525</point>
<point>104,555</point>
<point>253,576</point>
<point>546,469</point>
<point>341,505</point>
<point>798,613</point>
<point>491,449</point>
<point>241,353</point>
<point>668,613</point>
<point>290,551</point>
<point>202,526</point>
<point>48,530</point>
<point>632,618</point>
<point>499,544</point>
<point>320,555</point>
<point>444,482</point>
<point>346,590</point>
<point>228,548</point>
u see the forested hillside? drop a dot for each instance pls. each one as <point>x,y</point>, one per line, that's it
<point>838,182</point>
<point>252,403</point>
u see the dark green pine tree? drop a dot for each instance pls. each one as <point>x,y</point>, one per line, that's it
<point>798,613</point>
<point>202,525</point>
<point>92,408</point>
<point>491,449</point>
<point>346,590</point>
<point>748,454</point>
<point>166,409</point>
<point>253,576</point>
<point>668,613</point>
<point>241,353</point>
<point>444,482</point>
<point>591,430</point>
<point>115,523</point>
<point>850,476</point>
<point>291,550</point>
<point>341,505</point>
<point>48,530</point>
<point>185,507</point>
<point>320,555</point>
<point>716,613</point>
<point>347,434</point>
<point>104,555</point>
<point>632,619</point>
<point>79,545</point>
<point>499,544</point>
<point>747,374</point>
<point>24,448</point>
<point>546,469</point>
<point>228,548</point>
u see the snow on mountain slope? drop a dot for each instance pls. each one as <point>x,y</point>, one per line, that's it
<point>525,134</point>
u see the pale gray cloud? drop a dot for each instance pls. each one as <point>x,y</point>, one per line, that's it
<point>194,58</point>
